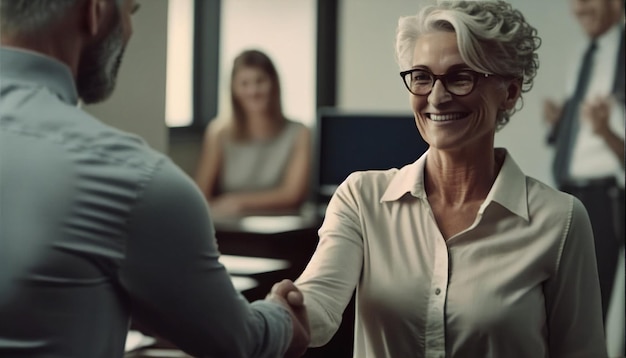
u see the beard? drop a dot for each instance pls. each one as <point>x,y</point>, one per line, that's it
<point>99,66</point>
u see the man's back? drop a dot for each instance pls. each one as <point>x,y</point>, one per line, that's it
<point>67,185</point>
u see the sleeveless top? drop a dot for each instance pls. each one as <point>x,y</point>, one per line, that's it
<point>259,164</point>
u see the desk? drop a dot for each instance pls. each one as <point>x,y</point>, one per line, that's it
<point>243,283</point>
<point>246,265</point>
<point>282,235</point>
<point>269,221</point>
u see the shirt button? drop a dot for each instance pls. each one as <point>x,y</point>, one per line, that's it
<point>437,291</point>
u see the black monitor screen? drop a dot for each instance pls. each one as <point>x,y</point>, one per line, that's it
<point>348,142</point>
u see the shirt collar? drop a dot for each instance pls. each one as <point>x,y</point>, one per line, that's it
<point>409,179</point>
<point>611,37</point>
<point>507,190</point>
<point>29,66</point>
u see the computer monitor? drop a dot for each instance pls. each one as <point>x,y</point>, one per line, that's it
<point>349,141</point>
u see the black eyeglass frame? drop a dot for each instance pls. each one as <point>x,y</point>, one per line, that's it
<point>443,78</point>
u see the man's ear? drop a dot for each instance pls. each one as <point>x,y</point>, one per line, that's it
<point>96,11</point>
<point>513,92</point>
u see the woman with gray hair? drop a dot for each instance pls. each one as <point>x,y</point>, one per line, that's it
<point>459,254</point>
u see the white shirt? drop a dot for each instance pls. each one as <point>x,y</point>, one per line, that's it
<point>592,157</point>
<point>521,281</point>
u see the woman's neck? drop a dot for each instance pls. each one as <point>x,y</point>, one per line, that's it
<point>458,179</point>
<point>261,126</point>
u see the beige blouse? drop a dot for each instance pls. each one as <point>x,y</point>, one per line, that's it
<point>521,281</point>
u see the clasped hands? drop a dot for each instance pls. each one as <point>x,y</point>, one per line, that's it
<point>287,294</point>
<point>595,111</point>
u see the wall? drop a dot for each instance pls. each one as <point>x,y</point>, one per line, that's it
<point>289,42</point>
<point>368,74</point>
<point>138,102</point>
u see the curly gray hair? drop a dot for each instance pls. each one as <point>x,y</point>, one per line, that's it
<point>492,38</point>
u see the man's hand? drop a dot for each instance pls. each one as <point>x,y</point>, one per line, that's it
<point>287,294</point>
<point>552,111</point>
<point>596,112</point>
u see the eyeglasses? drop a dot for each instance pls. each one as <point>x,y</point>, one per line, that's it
<point>420,82</point>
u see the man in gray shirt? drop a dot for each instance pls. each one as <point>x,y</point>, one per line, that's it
<point>96,227</point>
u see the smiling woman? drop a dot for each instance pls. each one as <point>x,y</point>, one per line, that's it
<point>256,158</point>
<point>458,254</point>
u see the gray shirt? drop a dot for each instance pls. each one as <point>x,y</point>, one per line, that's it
<point>96,227</point>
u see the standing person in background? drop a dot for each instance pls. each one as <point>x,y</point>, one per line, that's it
<point>588,133</point>
<point>257,159</point>
<point>459,254</point>
<point>95,226</point>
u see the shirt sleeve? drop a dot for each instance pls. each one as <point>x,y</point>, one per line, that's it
<point>178,287</point>
<point>330,278</point>
<point>573,305</point>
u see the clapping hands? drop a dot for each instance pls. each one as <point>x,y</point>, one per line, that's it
<point>287,294</point>
<point>552,111</point>
<point>596,112</point>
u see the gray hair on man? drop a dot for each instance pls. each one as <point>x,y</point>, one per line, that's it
<point>31,16</point>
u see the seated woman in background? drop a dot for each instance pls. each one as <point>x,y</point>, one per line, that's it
<point>257,159</point>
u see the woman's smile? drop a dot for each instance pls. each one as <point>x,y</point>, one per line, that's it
<point>446,117</point>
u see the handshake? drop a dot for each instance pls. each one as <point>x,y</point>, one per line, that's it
<point>287,294</point>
